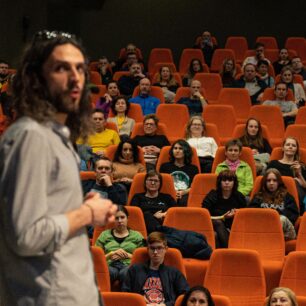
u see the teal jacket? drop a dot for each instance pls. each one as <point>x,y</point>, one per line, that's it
<point>244,176</point>
<point>107,242</point>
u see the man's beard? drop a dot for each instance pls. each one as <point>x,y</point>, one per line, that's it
<point>63,103</point>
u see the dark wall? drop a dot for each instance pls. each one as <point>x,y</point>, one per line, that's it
<point>107,25</point>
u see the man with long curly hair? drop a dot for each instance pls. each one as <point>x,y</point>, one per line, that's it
<point>45,258</point>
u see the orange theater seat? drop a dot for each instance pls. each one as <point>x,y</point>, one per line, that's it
<point>240,99</point>
<point>223,116</point>
<point>169,114</point>
<point>239,45</point>
<point>180,218</point>
<point>272,117</point>
<point>260,229</point>
<point>201,185</point>
<point>237,274</point>
<point>101,269</point>
<point>123,299</point>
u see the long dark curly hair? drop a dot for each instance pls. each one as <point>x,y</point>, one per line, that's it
<point>30,92</point>
<point>186,149</point>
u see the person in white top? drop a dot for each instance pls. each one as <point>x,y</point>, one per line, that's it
<point>206,147</point>
<point>259,55</point>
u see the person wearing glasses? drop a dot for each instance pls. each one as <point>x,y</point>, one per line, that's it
<point>153,203</point>
<point>222,204</point>
<point>104,184</point>
<point>45,257</point>
<point>158,283</point>
<point>151,142</point>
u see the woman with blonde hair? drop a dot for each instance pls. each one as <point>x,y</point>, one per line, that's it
<point>281,296</point>
<point>206,147</point>
<point>167,82</point>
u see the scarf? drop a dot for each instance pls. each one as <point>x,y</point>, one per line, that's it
<point>233,165</point>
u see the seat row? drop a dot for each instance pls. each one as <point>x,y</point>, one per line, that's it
<point>133,299</point>
<point>222,124</point>
<point>256,252</point>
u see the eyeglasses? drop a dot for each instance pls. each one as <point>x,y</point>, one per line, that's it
<point>48,35</point>
<point>157,249</point>
<point>196,124</point>
<point>149,123</point>
<point>152,181</point>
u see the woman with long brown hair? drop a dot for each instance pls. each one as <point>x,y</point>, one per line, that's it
<point>260,146</point>
<point>290,165</point>
<point>273,194</point>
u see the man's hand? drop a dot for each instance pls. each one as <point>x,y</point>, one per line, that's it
<point>103,211</point>
<point>105,180</point>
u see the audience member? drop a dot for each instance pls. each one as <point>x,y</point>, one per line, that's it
<point>167,82</point>
<point>197,296</point>
<point>4,73</point>
<point>222,204</point>
<point>131,58</point>
<point>119,244</point>
<point>102,138</point>
<point>129,49</point>
<point>232,162</point>
<point>148,103</point>
<point>298,90</point>
<point>120,108</point>
<point>228,73</point>
<point>298,68</point>
<point>206,44</point>
<point>127,83</point>
<point>152,202</point>
<point>6,98</point>
<point>151,142</point>
<point>281,296</point>
<point>196,101</point>
<point>263,72</point>
<point>158,283</point>
<point>273,194</point>
<point>126,163</point>
<point>259,55</point>
<point>181,169</point>
<point>195,67</point>
<point>288,108</point>
<point>206,146</point>
<point>252,83</point>
<point>290,165</point>
<point>105,185</point>
<point>282,61</point>
<point>105,70</point>
<point>260,146</point>
<point>104,103</point>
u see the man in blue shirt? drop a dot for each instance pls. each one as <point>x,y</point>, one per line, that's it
<point>148,103</point>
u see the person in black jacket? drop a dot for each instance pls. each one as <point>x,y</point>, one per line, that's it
<point>153,203</point>
<point>273,194</point>
<point>157,283</point>
<point>222,204</point>
<point>104,184</point>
